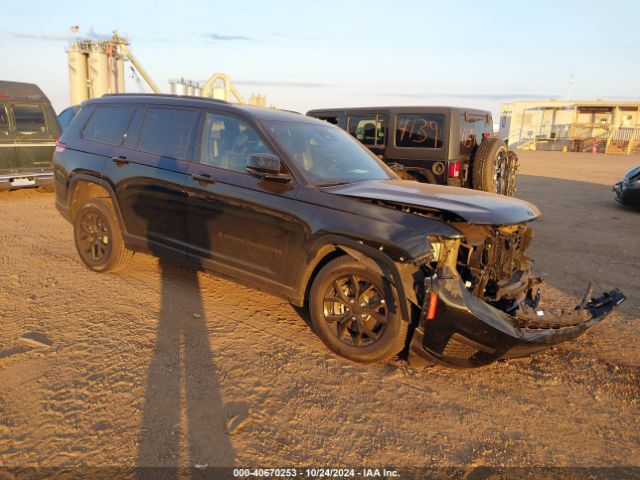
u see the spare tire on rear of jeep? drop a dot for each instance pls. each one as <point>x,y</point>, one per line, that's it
<point>494,167</point>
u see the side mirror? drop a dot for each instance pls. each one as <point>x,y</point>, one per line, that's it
<point>267,166</point>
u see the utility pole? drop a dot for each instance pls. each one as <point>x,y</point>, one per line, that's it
<point>570,87</point>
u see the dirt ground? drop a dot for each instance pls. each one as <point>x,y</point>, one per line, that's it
<point>147,366</point>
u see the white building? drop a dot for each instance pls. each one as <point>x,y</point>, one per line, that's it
<point>606,126</point>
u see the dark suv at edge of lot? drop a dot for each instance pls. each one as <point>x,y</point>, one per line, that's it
<point>29,129</point>
<point>296,207</point>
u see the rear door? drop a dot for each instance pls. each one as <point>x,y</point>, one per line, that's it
<point>7,142</point>
<point>149,171</point>
<point>34,141</point>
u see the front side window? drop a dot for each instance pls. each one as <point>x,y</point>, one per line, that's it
<point>369,129</point>
<point>107,124</point>
<point>328,154</point>
<point>29,118</point>
<point>167,132</point>
<point>228,142</point>
<point>422,130</point>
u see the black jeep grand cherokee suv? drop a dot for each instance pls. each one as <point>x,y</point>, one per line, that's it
<point>295,206</point>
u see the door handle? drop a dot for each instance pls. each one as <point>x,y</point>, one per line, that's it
<point>120,161</point>
<point>203,178</point>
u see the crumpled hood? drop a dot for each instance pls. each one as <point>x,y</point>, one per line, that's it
<point>472,205</point>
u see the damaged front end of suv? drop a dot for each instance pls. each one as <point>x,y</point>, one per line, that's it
<point>480,301</point>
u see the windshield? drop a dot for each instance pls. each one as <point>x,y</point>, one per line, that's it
<point>328,154</point>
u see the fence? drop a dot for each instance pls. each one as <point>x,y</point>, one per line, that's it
<point>581,137</point>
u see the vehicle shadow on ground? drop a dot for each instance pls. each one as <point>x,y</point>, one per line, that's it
<point>182,400</point>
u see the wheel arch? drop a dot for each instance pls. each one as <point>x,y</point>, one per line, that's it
<point>331,247</point>
<point>84,187</point>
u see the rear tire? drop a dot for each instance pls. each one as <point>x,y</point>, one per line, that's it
<point>98,237</point>
<point>490,164</point>
<point>356,313</point>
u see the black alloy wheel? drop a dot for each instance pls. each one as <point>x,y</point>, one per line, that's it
<point>355,311</point>
<point>98,238</point>
<point>94,238</point>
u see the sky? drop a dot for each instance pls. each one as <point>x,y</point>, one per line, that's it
<point>314,54</point>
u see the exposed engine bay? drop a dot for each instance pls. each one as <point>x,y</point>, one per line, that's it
<point>492,263</point>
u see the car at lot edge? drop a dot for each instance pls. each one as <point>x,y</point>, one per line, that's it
<point>291,205</point>
<point>29,129</point>
<point>451,146</point>
<point>627,190</point>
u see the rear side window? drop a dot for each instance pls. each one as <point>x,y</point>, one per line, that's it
<point>422,130</point>
<point>29,118</point>
<point>369,128</point>
<point>167,132</point>
<point>107,124</point>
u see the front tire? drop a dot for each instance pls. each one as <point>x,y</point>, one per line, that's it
<point>98,237</point>
<point>356,313</point>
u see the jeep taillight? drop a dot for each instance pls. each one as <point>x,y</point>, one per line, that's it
<point>454,170</point>
<point>60,147</point>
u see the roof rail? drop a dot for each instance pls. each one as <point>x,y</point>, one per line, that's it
<point>169,95</point>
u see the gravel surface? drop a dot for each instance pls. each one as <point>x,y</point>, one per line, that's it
<point>163,366</point>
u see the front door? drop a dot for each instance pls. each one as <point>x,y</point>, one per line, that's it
<point>237,223</point>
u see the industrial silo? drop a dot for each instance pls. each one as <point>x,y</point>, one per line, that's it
<point>181,87</point>
<point>98,71</point>
<point>78,88</point>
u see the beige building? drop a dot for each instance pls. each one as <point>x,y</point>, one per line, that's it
<point>582,126</point>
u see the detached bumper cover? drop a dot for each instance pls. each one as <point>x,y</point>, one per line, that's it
<point>468,332</point>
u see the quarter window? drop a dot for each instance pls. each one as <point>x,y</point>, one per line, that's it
<point>473,128</point>
<point>369,129</point>
<point>228,142</point>
<point>4,119</point>
<point>29,118</point>
<point>107,124</point>
<point>422,130</point>
<point>65,117</point>
<point>167,132</point>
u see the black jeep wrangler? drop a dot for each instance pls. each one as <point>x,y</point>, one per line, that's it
<point>444,145</point>
<point>296,207</point>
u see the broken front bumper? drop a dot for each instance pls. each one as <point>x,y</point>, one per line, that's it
<point>467,332</point>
